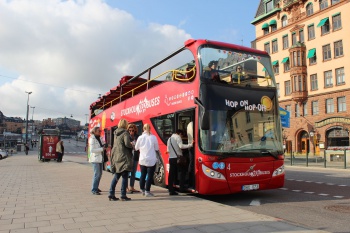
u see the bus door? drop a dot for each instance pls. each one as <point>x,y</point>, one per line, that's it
<point>185,122</point>
<point>109,138</point>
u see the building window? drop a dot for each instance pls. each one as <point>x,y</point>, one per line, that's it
<point>338,48</point>
<point>314,107</point>
<point>278,89</point>
<point>326,52</point>
<point>340,76</point>
<point>285,42</point>
<point>341,104</point>
<point>286,66</point>
<point>266,31</point>
<point>336,22</point>
<point>323,4</point>
<point>284,21</point>
<point>313,81</point>
<point>329,106</point>
<point>287,89</point>
<point>297,110</point>
<point>298,58</point>
<point>301,36</point>
<point>305,108</point>
<point>298,83</point>
<point>274,46</point>
<point>269,6</point>
<point>294,38</point>
<point>311,32</point>
<point>309,9</point>
<point>276,68</point>
<point>335,1</point>
<point>312,60</point>
<point>247,116</point>
<point>328,80</point>
<point>273,27</point>
<point>325,28</point>
<point>288,108</point>
<point>267,47</point>
<point>312,56</point>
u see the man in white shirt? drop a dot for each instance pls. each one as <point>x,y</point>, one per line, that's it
<point>175,147</point>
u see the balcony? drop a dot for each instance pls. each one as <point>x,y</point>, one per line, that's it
<point>299,96</point>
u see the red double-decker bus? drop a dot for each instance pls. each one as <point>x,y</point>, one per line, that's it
<point>228,93</point>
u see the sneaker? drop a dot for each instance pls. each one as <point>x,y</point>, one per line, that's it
<point>125,198</point>
<point>173,193</point>
<point>143,192</point>
<point>96,193</point>
<point>149,194</point>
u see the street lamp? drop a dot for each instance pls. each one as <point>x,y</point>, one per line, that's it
<point>26,137</point>
<point>312,135</point>
<point>32,121</point>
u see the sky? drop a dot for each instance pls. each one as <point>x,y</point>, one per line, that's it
<point>68,52</point>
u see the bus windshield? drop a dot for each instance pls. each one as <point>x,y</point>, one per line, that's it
<point>235,67</point>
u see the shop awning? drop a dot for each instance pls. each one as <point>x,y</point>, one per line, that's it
<point>265,25</point>
<point>336,14</point>
<point>275,63</point>
<point>311,53</point>
<point>322,22</point>
<point>273,22</point>
<point>286,59</point>
<point>264,69</point>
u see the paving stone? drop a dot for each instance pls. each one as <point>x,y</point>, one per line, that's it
<point>37,224</point>
<point>100,229</point>
<point>28,230</point>
<point>51,228</point>
<point>77,225</point>
<point>61,221</point>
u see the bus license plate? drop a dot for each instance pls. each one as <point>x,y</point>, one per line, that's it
<point>250,187</point>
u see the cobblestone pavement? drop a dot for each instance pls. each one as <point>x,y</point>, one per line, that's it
<point>56,197</point>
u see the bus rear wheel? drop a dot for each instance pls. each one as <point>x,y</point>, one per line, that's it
<point>159,175</point>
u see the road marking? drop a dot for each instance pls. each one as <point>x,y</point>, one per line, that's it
<point>283,189</point>
<point>323,194</point>
<point>330,184</point>
<point>308,181</point>
<point>319,182</point>
<point>290,179</point>
<point>255,203</point>
<point>338,196</point>
<point>342,185</point>
<point>296,191</point>
<point>299,180</point>
<point>309,192</point>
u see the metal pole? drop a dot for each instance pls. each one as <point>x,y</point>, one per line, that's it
<point>32,121</point>
<point>291,158</point>
<point>307,158</point>
<point>26,136</point>
<point>324,158</point>
<point>345,159</point>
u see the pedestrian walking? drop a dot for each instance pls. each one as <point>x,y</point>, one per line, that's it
<point>174,147</point>
<point>147,144</point>
<point>95,158</point>
<point>136,154</point>
<point>59,150</point>
<point>121,160</point>
<point>26,149</point>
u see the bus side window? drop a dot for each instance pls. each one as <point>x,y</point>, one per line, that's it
<point>139,126</point>
<point>165,126</point>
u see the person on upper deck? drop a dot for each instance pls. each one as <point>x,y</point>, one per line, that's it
<point>239,75</point>
<point>211,73</point>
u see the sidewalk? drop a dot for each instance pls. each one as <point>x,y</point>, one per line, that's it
<point>56,197</point>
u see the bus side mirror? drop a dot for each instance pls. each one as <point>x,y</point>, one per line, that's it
<point>204,117</point>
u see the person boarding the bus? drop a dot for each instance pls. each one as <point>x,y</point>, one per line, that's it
<point>59,150</point>
<point>211,73</point>
<point>174,148</point>
<point>121,160</point>
<point>147,144</point>
<point>136,154</point>
<point>96,158</point>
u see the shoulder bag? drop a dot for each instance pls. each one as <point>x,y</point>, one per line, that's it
<point>181,160</point>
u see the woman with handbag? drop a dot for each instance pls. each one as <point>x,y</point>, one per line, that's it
<point>147,144</point>
<point>176,160</point>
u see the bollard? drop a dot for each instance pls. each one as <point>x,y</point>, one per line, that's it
<point>324,157</point>
<point>345,159</point>
<point>307,159</point>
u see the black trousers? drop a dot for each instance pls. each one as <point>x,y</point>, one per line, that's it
<point>172,174</point>
<point>59,157</point>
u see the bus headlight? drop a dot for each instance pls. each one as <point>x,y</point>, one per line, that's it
<point>212,173</point>
<point>278,171</point>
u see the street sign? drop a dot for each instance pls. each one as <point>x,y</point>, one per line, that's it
<point>285,118</point>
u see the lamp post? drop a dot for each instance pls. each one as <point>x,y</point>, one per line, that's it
<point>26,137</point>
<point>312,135</point>
<point>32,121</point>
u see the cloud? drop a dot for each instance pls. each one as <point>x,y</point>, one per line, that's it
<point>85,45</point>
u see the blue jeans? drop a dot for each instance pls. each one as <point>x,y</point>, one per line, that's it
<point>146,171</point>
<point>124,175</point>
<point>132,174</point>
<point>97,176</point>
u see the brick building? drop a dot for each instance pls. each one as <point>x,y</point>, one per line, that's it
<point>308,47</point>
